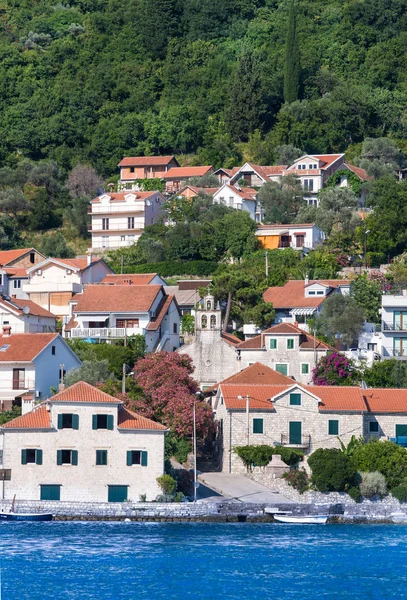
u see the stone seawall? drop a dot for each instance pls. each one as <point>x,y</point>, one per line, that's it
<point>221,511</point>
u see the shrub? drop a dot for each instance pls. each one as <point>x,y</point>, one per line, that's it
<point>400,492</point>
<point>354,493</point>
<point>298,479</point>
<point>200,268</point>
<point>260,456</point>
<point>185,481</point>
<point>167,484</point>
<point>386,457</point>
<point>331,470</point>
<point>372,484</point>
<point>178,447</point>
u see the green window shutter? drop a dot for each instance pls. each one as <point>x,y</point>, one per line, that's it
<point>59,457</point>
<point>144,459</point>
<point>75,421</point>
<point>282,368</point>
<point>101,457</point>
<point>333,427</point>
<point>38,457</point>
<point>74,457</point>
<point>295,399</point>
<point>290,344</point>
<point>94,421</point>
<point>129,458</point>
<point>305,368</point>
<point>258,426</point>
<point>273,344</point>
<point>23,457</point>
<point>110,422</point>
<point>59,421</point>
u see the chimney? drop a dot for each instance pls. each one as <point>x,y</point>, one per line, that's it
<point>89,257</point>
<point>6,330</point>
<point>306,280</point>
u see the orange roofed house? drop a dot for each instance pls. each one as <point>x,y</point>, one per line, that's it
<point>176,177</point>
<point>299,236</point>
<point>82,444</point>
<point>133,168</point>
<point>257,407</point>
<point>14,265</point>
<point>106,312</point>
<point>119,219</point>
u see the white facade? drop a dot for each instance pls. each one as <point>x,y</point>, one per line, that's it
<point>118,220</point>
<point>26,323</point>
<point>297,236</point>
<point>394,326</point>
<point>239,199</point>
<point>80,477</point>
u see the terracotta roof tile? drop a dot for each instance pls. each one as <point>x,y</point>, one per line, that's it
<point>39,418</point>
<point>389,400</point>
<point>185,172</point>
<point>142,161</point>
<point>79,263</point>
<point>121,196</point>
<point>292,294</point>
<point>24,347</point>
<point>361,173</point>
<point>116,298</point>
<point>72,324</point>
<point>256,373</point>
<point>260,395</point>
<point>286,226</point>
<point>84,392</point>
<point>230,338</point>
<point>130,420</point>
<point>15,272</point>
<point>258,341</point>
<point>125,279</point>
<point>8,256</point>
<point>17,305</point>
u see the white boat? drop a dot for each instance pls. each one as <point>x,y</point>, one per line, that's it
<point>315,519</point>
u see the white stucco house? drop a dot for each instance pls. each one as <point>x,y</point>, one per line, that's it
<point>82,444</point>
<point>30,365</point>
<point>107,312</point>
<point>53,282</point>
<point>14,265</point>
<point>300,236</point>
<point>394,326</point>
<point>24,316</point>
<point>119,219</point>
<point>240,198</point>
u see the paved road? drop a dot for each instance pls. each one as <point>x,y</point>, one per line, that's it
<point>237,487</point>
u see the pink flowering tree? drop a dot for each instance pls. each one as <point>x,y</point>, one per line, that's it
<point>335,369</point>
<point>167,392</point>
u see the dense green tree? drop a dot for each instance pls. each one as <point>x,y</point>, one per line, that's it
<point>92,372</point>
<point>282,200</point>
<point>384,456</point>
<point>292,58</point>
<point>381,156</point>
<point>390,373</point>
<point>340,315</point>
<point>368,295</point>
<point>286,154</point>
<point>54,244</point>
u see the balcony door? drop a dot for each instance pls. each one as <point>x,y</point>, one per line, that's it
<point>295,432</point>
<point>400,320</point>
<point>400,346</point>
<point>18,379</point>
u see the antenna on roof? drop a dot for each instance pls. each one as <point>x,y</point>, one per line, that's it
<point>364,384</point>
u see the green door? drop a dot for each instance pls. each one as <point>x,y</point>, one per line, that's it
<point>401,431</point>
<point>117,493</point>
<point>295,429</point>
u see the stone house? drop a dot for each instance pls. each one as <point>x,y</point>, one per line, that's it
<point>82,445</point>
<point>300,416</point>
<point>217,355</point>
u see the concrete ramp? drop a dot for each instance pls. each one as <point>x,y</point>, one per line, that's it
<point>239,487</point>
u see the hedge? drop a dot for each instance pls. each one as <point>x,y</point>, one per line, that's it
<point>260,456</point>
<point>199,268</point>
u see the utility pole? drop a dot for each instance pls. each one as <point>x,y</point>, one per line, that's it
<point>195,481</point>
<point>267,265</point>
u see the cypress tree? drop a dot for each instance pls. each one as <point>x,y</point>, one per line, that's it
<point>292,59</point>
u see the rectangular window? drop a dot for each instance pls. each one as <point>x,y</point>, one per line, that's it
<point>50,492</point>
<point>282,368</point>
<point>320,293</point>
<point>17,284</point>
<point>131,323</point>
<point>333,427</point>
<point>401,431</point>
<point>295,399</point>
<point>18,379</point>
<point>105,223</point>
<point>311,293</point>
<point>130,222</point>
<point>290,344</point>
<point>373,427</point>
<point>1,279</point>
<point>308,185</point>
<point>137,457</point>
<point>67,457</point>
<point>117,493</point>
<point>400,320</point>
<point>105,241</point>
<point>101,457</point>
<point>31,456</point>
<point>258,426</point>
<point>102,422</point>
<point>273,344</point>
<point>53,350</point>
<point>304,368</point>
<point>68,421</point>
<point>175,328</point>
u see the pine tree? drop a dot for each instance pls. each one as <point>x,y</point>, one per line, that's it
<point>292,59</point>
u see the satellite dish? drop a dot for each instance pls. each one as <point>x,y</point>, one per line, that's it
<point>26,310</point>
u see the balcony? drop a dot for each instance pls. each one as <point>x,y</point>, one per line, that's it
<point>397,352</point>
<point>116,209</point>
<point>106,332</point>
<point>113,228</point>
<point>392,327</point>
<point>303,441</point>
<point>23,384</point>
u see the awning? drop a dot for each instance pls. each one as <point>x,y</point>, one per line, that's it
<point>302,311</point>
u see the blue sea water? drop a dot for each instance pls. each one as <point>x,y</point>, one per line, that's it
<point>106,561</point>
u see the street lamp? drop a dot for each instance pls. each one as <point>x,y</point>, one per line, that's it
<point>197,395</point>
<point>124,375</point>
<point>247,398</point>
<point>366,232</point>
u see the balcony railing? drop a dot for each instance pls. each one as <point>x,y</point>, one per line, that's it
<point>294,245</point>
<point>113,227</point>
<point>22,384</point>
<point>125,208</point>
<point>393,326</point>
<point>397,352</point>
<point>303,441</point>
<point>105,332</point>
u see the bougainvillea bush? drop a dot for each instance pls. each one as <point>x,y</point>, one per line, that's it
<point>335,369</point>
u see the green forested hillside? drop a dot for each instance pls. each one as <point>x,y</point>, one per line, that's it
<point>93,80</point>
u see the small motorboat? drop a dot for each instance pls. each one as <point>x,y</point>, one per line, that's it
<point>13,516</point>
<point>310,519</point>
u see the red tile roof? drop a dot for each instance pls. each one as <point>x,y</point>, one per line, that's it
<point>129,278</point>
<point>15,272</point>
<point>162,310</point>
<point>8,256</point>
<point>247,193</point>
<point>338,398</point>
<point>130,420</point>
<point>24,347</point>
<point>258,341</point>
<point>286,226</point>
<point>84,392</point>
<point>143,161</point>
<point>17,305</point>
<point>77,263</point>
<point>229,338</point>
<point>292,294</point>
<point>39,418</point>
<point>257,373</point>
<point>275,169</point>
<point>185,172</point>
<point>361,173</point>
<point>116,298</point>
<point>121,196</point>
<point>72,324</point>
<point>327,159</point>
<point>260,395</point>
<point>388,400</point>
